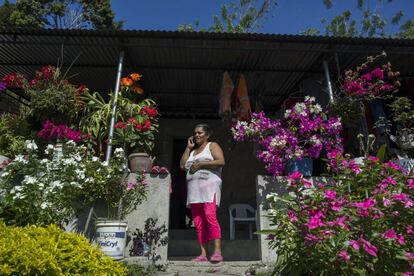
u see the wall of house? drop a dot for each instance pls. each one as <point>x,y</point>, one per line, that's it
<point>239,174</point>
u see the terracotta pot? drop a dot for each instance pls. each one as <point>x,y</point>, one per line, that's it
<point>140,162</point>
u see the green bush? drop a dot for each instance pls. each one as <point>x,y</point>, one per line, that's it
<point>33,250</point>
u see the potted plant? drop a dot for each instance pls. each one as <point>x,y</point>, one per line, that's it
<point>305,132</point>
<point>137,121</point>
<point>402,113</point>
<point>138,133</point>
<point>50,94</point>
<point>367,83</point>
<point>41,189</point>
<point>11,142</point>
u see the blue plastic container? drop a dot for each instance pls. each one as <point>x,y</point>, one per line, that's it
<point>304,166</point>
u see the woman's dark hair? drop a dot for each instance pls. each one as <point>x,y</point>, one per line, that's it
<point>206,128</point>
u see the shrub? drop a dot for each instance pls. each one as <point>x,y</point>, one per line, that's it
<point>360,223</point>
<point>32,250</point>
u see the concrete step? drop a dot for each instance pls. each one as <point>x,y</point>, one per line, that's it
<point>185,267</point>
<point>190,234</point>
<point>235,250</point>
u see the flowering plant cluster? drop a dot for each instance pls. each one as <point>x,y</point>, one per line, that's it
<point>61,133</point>
<point>51,95</point>
<point>138,130</point>
<point>357,223</point>
<point>366,83</point>
<point>306,131</point>
<point>42,190</point>
<point>130,86</point>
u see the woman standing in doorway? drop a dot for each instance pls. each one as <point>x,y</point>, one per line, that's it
<point>203,161</point>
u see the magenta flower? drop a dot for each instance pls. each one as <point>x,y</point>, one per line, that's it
<point>368,247</point>
<point>410,183</point>
<point>369,203</point>
<point>409,255</point>
<point>366,77</point>
<point>292,216</point>
<point>389,234</point>
<point>377,73</point>
<point>354,244</point>
<point>343,254</point>
<point>401,197</point>
<point>386,202</point>
<point>131,186</point>
<point>330,194</point>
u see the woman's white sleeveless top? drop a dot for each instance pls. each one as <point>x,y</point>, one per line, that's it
<point>205,183</point>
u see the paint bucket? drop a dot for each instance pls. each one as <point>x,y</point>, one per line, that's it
<point>111,236</point>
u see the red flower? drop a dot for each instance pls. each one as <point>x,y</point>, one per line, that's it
<point>121,125</point>
<point>147,125</point>
<point>152,112</point>
<point>132,121</point>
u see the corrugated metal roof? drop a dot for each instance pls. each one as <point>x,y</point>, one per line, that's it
<point>182,70</point>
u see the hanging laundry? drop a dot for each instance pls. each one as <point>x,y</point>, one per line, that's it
<point>225,98</point>
<point>241,103</point>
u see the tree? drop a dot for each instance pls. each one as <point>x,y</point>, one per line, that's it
<point>59,14</point>
<point>370,24</point>
<point>243,16</point>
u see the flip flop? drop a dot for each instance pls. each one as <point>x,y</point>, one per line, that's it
<point>200,259</point>
<point>216,258</point>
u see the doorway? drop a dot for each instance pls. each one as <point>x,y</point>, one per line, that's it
<point>178,210</point>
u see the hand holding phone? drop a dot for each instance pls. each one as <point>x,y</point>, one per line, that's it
<point>190,142</point>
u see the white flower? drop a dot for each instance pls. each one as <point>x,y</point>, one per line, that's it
<point>44,205</point>
<point>19,158</point>
<point>56,184</point>
<point>77,157</point>
<point>31,145</point>
<point>76,184</point>
<point>105,163</point>
<point>29,179</point>
<point>4,174</point>
<point>118,151</point>
<point>71,143</point>
<point>287,113</point>
<point>271,196</point>
<point>49,149</point>
<point>44,161</point>
<point>94,158</point>
<point>69,161</point>
<point>308,98</point>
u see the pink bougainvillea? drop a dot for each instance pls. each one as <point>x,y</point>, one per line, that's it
<point>306,131</point>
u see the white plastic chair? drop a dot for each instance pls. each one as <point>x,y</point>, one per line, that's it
<point>239,213</point>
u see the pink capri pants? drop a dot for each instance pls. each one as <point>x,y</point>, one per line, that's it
<point>205,221</point>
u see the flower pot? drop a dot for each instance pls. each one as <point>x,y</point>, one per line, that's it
<point>304,166</point>
<point>140,162</point>
<point>111,236</point>
<point>406,163</point>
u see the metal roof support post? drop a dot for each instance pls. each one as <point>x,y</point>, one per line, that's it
<point>328,80</point>
<point>113,113</point>
<point>111,128</point>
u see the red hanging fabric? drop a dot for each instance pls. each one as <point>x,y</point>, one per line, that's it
<point>225,98</point>
<point>242,110</point>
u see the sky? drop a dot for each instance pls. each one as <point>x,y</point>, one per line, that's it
<point>289,17</point>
